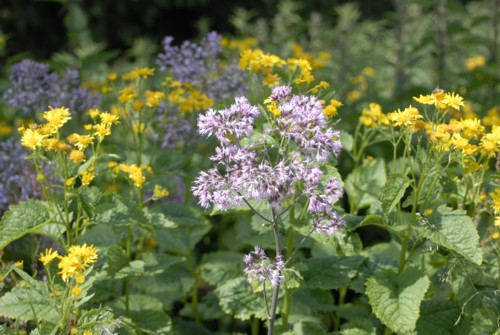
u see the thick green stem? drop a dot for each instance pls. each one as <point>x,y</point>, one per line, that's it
<point>127,279</point>
<point>255,326</point>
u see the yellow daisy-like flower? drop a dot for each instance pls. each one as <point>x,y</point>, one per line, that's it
<point>407,117</point>
<point>495,235</point>
<point>79,258</point>
<point>453,100</point>
<point>77,156</point>
<point>109,119</point>
<point>87,177</point>
<point>127,94</point>
<point>80,141</point>
<point>32,139</point>
<point>142,72</point>
<point>160,192</point>
<point>76,291</point>
<point>134,173</point>
<point>495,196</point>
<point>57,117</point>
<point>475,62</point>
<point>331,109</point>
<point>153,98</point>
<point>48,257</point>
<point>94,113</point>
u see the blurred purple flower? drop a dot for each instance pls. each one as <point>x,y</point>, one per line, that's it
<point>34,87</point>
<point>201,66</point>
<point>18,175</point>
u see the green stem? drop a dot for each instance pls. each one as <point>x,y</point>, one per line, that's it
<point>289,252</point>
<point>336,319</point>
<point>127,279</point>
<point>194,292</point>
<point>255,326</point>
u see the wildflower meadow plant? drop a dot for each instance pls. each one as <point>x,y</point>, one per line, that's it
<point>280,165</point>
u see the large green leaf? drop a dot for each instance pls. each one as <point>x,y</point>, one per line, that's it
<point>22,219</point>
<point>438,317</point>
<point>330,272</point>
<point>396,299</point>
<point>455,231</point>
<point>218,267</point>
<point>393,191</point>
<point>237,298</point>
<point>146,313</point>
<point>26,304</point>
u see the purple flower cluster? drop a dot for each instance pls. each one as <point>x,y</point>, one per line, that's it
<point>200,65</point>
<point>34,87</point>
<point>260,267</point>
<point>247,171</point>
<point>17,175</point>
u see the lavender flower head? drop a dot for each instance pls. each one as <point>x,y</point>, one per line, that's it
<point>260,267</point>
<point>34,87</point>
<point>244,170</point>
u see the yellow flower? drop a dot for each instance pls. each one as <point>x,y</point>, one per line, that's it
<point>102,130</point>
<point>134,173</point>
<point>109,119</point>
<point>407,117</point>
<point>112,76</point>
<point>80,141</point>
<point>5,129</point>
<point>160,192</point>
<point>353,95</point>
<point>127,94</point>
<point>77,156</point>
<point>153,98</point>
<point>497,221</point>
<point>142,72</point>
<point>331,109</point>
<point>69,182</point>
<point>138,127</point>
<point>428,211</point>
<point>48,257</point>
<point>87,177</point>
<point>272,106</point>
<point>32,139</point>
<point>79,278</point>
<point>453,100</point>
<point>496,200</point>
<point>74,331</point>
<point>475,62</point>
<point>57,117</point>
<point>76,291</point>
<point>87,332</point>
<point>495,235</point>
<point>94,113</point>
<point>74,264</point>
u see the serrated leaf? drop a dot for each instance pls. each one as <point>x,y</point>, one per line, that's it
<point>19,303</point>
<point>146,313</point>
<point>396,299</point>
<point>117,260</point>
<point>21,219</point>
<point>437,316</point>
<point>237,298</point>
<point>96,317</point>
<point>455,231</point>
<point>393,191</point>
<point>331,272</point>
<point>218,267</point>
<point>310,301</point>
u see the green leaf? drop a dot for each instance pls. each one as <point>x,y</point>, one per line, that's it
<point>393,191</point>
<point>437,317</point>
<point>237,298</point>
<point>96,317</point>
<point>347,140</point>
<point>331,272</point>
<point>364,185</point>
<point>455,231</point>
<point>311,300</point>
<point>24,303</point>
<point>396,299</point>
<point>219,267</point>
<point>117,260</point>
<point>22,219</point>
<point>146,313</point>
